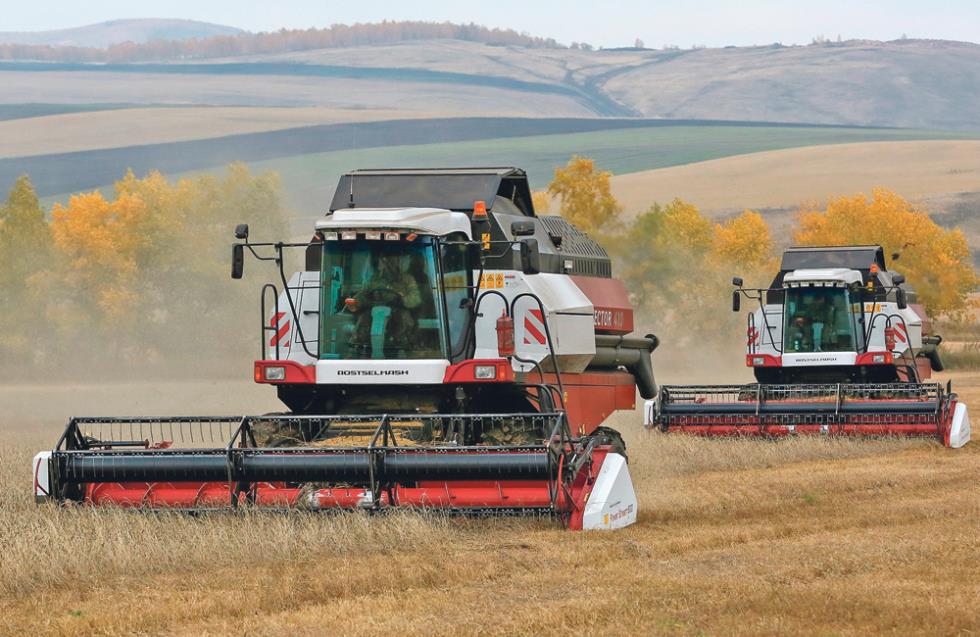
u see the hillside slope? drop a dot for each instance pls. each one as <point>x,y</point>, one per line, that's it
<point>781,178</point>
<point>104,34</point>
<point>903,83</point>
<point>909,83</point>
<point>942,176</point>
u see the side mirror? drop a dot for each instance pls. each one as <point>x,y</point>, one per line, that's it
<point>897,278</point>
<point>241,231</point>
<point>901,299</point>
<point>530,256</point>
<point>737,281</point>
<point>523,228</point>
<point>237,260</point>
<point>736,301</point>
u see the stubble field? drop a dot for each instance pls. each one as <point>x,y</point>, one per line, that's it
<point>799,536</point>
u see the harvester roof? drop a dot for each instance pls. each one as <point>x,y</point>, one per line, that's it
<point>818,257</point>
<point>448,188</point>
<point>837,258</point>
<point>850,257</point>
<point>433,221</point>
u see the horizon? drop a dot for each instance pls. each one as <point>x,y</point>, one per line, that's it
<point>709,23</point>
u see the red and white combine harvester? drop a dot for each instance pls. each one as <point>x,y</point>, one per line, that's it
<point>838,345</point>
<point>443,348</point>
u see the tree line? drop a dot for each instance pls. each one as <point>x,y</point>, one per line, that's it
<point>282,41</point>
<point>138,278</point>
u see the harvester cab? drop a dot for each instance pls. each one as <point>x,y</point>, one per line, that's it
<point>443,347</point>
<point>838,344</point>
<point>839,315</point>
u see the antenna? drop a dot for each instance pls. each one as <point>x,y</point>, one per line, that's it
<point>350,204</point>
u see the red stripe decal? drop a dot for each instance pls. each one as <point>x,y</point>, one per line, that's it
<point>531,329</point>
<point>283,330</point>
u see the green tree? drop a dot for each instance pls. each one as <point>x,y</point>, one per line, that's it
<point>678,266</point>
<point>24,252</point>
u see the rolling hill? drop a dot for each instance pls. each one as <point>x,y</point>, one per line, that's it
<point>105,34</point>
<point>309,159</point>
<point>786,177</point>
<point>942,176</point>
<point>906,83</point>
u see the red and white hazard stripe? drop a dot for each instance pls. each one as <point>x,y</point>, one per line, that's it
<point>534,332</point>
<point>901,333</point>
<point>283,325</point>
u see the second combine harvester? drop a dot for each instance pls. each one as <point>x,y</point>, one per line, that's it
<point>443,347</point>
<point>838,345</point>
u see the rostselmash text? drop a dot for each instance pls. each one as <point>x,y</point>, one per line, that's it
<point>372,372</point>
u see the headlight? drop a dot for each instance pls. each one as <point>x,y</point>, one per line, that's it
<point>878,358</point>
<point>485,372</point>
<point>275,373</point>
<point>758,360</point>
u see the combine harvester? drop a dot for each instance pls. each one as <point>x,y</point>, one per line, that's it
<point>443,348</point>
<point>838,346</point>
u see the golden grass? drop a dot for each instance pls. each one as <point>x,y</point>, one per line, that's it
<point>73,132</point>
<point>741,537</point>
<point>786,178</point>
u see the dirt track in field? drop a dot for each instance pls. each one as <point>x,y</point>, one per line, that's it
<point>799,536</point>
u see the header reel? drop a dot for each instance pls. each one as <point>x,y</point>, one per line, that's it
<point>365,463</point>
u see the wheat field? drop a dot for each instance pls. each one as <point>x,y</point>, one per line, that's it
<point>735,537</point>
<point>787,178</point>
<point>73,132</point>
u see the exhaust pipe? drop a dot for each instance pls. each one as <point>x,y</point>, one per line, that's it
<point>631,352</point>
<point>930,348</point>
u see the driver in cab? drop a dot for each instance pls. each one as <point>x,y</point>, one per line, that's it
<point>385,305</point>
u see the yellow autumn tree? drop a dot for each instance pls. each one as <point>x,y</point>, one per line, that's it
<point>541,201</point>
<point>585,195</point>
<point>686,227</point>
<point>140,275</point>
<point>936,261</point>
<point>184,272</point>
<point>100,242</point>
<point>744,242</point>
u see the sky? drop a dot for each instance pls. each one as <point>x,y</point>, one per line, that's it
<point>612,23</point>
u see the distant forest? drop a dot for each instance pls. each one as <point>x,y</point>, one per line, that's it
<point>338,35</point>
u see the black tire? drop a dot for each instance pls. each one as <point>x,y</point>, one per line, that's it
<point>612,438</point>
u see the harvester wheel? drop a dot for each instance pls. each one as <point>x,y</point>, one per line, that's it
<point>611,437</point>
